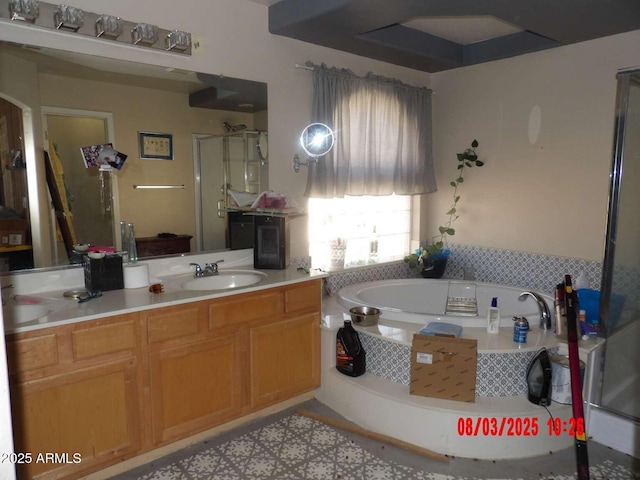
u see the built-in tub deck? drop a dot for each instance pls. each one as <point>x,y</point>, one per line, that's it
<point>380,400</point>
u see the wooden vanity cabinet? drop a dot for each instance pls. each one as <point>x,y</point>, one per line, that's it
<point>75,393</point>
<point>283,339</point>
<point>195,377</point>
<point>114,388</point>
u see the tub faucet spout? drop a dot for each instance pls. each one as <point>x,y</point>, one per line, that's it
<point>545,314</point>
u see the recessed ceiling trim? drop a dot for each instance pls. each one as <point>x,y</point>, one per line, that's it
<point>506,46</point>
<point>411,41</point>
<point>373,28</point>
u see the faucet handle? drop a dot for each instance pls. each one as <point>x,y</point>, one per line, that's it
<point>213,266</point>
<point>198,268</point>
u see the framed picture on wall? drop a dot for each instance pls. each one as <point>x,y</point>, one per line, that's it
<point>155,146</point>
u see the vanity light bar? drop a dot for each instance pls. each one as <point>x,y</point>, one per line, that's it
<point>106,27</point>
<point>158,186</point>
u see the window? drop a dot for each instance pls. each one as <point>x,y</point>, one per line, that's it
<point>360,192</point>
<point>354,231</point>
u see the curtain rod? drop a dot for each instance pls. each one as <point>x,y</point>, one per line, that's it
<point>304,67</point>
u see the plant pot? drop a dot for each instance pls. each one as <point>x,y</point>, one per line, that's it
<point>436,264</point>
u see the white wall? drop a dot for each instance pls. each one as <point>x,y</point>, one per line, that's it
<point>546,195</point>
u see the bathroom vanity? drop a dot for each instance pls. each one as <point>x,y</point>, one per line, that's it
<point>102,390</point>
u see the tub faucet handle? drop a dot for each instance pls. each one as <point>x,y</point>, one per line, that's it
<point>545,314</point>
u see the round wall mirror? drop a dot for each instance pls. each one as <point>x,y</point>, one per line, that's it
<point>317,139</point>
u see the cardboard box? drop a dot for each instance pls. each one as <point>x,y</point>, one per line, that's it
<point>444,367</point>
<point>13,232</point>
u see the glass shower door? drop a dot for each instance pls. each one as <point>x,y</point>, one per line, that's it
<point>619,391</point>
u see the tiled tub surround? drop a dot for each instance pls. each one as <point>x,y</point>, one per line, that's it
<point>499,374</point>
<point>492,265</point>
<point>380,399</point>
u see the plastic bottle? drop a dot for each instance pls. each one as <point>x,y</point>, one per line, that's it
<point>350,356</point>
<point>582,281</point>
<point>493,317</point>
<point>373,247</point>
<point>560,311</point>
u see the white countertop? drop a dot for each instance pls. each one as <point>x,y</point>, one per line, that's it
<point>117,302</point>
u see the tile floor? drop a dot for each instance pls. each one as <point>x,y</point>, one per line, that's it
<point>287,445</point>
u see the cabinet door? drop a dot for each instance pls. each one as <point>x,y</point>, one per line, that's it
<point>194,387</point>
<point>88,415</point>
<point>285,359</point>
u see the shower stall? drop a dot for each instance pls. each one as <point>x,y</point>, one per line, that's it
<point>227,166</point>
<point>615,405</point>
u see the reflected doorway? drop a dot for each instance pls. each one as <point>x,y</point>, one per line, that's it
<point>91,193</point>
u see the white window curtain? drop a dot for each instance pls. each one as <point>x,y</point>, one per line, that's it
<point>383,136</point>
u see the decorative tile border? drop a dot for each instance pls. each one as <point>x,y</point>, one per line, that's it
<point>504,267</point>
<point>498,374</point>
<point>519,269</point>
<point>387,359</point>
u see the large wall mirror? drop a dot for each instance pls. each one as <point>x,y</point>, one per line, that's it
<point>206,136</point>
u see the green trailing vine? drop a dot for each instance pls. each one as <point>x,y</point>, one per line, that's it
<point>466,159</point>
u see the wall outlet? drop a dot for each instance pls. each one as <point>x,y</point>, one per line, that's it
<point>5,239</point>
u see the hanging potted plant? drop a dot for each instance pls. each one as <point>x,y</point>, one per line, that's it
<point>431,259</point>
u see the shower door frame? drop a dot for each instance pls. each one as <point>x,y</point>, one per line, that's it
<point>197,162</point>
<point>607,426</point>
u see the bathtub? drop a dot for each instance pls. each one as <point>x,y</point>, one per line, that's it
<point>421,300</point>
<point>380,400</point>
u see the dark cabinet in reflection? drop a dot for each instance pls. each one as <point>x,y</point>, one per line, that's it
<point>240,231</point>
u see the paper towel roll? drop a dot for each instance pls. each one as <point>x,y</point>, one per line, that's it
<point>136,275</point>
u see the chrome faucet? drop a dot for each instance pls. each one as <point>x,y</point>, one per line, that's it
<point>545,314</point>
<point>209,270</point>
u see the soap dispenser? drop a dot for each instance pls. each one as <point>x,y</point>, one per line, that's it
<point>493,317</point>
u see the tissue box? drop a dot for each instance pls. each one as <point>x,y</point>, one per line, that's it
<point>444,367</point>
<point>103,274</point>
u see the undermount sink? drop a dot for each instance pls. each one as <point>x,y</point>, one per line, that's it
<point>225,280</point>
<point>15,314</point>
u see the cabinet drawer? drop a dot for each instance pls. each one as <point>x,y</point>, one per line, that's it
<point>244,309</point>
<point>32,353</point>
<point>303,297</point>
<point>174,322</point>
<point>102,340</point>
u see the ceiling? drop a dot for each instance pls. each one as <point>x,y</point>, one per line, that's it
<point>437,35</point>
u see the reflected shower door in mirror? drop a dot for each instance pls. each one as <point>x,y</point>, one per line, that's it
<point>230,173</point>
<point>91,193</point>
<point>140,98</point>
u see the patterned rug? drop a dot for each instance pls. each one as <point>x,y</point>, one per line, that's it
<point>297,447</point>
